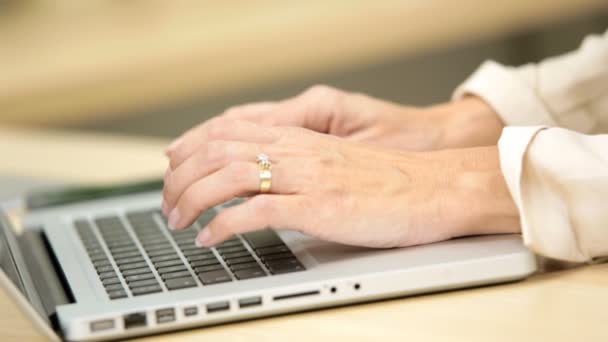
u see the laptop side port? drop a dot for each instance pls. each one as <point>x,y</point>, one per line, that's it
<point>190,311</point>
<point>218,306</point>
<point>134,320</point>
<point>165,315</point>
<point>102,325</point>
<point>296,295</point>
<point>250,301</point>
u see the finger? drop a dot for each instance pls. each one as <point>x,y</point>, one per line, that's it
<point>211,158</point>
<point>259,212</point>
<point>237,179</point>
<point>219,129</point>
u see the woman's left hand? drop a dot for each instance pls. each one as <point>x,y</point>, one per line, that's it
<point>338,190</point>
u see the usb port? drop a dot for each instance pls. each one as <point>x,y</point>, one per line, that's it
<point>106,324</point>
<point>190,311</point>
<point>218,306</point>
<point>250,301</point>
<point>165,315</point>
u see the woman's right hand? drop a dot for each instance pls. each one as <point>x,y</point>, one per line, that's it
<point>464,123</point>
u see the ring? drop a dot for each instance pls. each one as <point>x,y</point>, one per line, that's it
<point>265,173</point>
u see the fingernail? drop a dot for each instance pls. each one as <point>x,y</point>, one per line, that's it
<point>174,217</point>
<point>173,145</point>
<point>204,238</point>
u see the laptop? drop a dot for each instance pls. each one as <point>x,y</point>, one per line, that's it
<point>110,269</point>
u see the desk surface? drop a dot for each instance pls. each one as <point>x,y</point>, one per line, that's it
<point>559,306</point>
<point>68,61</point>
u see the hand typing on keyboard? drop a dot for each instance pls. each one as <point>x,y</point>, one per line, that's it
<point>331,187</point>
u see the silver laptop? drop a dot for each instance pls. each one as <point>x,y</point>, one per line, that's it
<point>110,269</point>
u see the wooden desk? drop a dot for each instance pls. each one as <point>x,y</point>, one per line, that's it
<point>560,306</point>
<point>67,61</point>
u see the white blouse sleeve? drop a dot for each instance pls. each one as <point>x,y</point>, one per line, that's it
<point>558,177</point>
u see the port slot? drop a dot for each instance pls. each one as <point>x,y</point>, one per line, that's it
<point>134,320</point>
<point>97,326</point>
<point>217,307</point>
<point>296,295</point>
<point>191,311</point>
<point>165,315</point>
<point>250,301</point>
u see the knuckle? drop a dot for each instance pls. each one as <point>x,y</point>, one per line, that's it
<point>320,91</point>
<point>232,111</point>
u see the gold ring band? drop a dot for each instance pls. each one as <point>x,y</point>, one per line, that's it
<point>265,173</point>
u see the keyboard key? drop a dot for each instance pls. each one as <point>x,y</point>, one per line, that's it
<point>117,294</point>
<point>284,266</point>
<point>205,262</point>
<point>161,246</point>
<point>244,266</point>
<point>138,277</point>
<point>192,258</point>
<point>277,256</point>
<point>240,260</point>
<point>193,252</point>
<point>102,262</point>
<point>160,252</point>
<point>189,247</point>
<point>141,283</point>
<point>272,250</point>
<point>168,263</point>
<point>97,256</point>
<point>104,269</point>
<point>118,243</point>
<point>209,268</point>
<point>249,273</point>
<point>123,249</point>
<point>165,257</point>
<point>110,281</point>
<point>146,290</point>
<point>106,275</point>
<point>172,269</point>
<point>235,255</point>
<point>263,238</point>
<point>179,274</point>
<point>133,265</point>
<point>130,260</point>
<point>224,250</point>
<point>180,283</point>
<point>214,277</point>
<point>127,254</point>
<point>231,243</point>
<point>135,271</point>
<point>113,287</point>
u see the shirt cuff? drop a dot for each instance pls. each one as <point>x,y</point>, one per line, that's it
<point>513,100</point>
<point>542,232</point>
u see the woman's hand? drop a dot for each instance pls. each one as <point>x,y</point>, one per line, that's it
<point>336,189</point>
<point>356,117</point>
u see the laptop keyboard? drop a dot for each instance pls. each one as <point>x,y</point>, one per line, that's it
<point>136,254</point>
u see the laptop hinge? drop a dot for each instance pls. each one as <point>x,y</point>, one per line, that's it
<point>41,264</point>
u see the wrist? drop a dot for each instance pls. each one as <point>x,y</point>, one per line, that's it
<point>484,203</point>
<point>467,122</point>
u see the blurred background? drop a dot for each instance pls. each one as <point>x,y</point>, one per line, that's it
<point>155,68</point>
